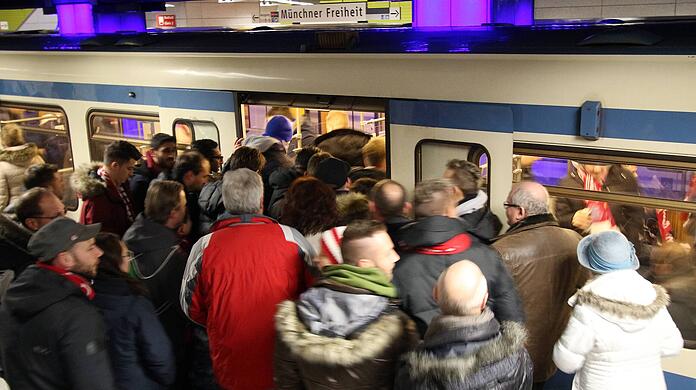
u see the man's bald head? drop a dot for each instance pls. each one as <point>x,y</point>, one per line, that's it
<point>461,290</point>
<point>389,199</point>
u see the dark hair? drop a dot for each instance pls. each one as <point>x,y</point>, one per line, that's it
<point>313,163</point>
<point>110,261</point>
<point>161,198</point>
<point>388,203</point>
<point>245,157</point>
<point>357,230</point>
<point>205,147</point>
<point>120,152</point>
<point>188,161</point>
<point>310,206</point>
<point>363,185</point>
<point>467,175</point>
<point>39,175</point>
<point>27,206</point>
<point>304,155</point>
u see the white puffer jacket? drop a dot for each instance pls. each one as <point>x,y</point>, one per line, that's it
<point>13,162</point>
<point>617,334</point>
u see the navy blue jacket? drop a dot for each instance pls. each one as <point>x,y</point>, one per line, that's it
<point>141,353</point>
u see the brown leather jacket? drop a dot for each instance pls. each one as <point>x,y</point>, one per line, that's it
<point>365,359</point>
<point>542,259</point>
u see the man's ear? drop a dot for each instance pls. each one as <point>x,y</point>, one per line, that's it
<point>64,261</point>
<point>31,224</point>
<point>114,165</point>
<point>365,263</point>
<point>408,209</point>
<point>188,177</point>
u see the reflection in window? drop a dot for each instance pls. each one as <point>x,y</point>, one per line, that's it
<point>654,221</point>
<point>108,127</point>
<point>47,128</point>
<point>187,131</point>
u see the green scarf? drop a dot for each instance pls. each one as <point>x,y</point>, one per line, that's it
<point>371,279</point>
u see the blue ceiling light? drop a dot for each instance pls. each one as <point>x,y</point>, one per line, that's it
<point>466,13</point>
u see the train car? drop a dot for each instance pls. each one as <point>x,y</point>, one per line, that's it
<point>534,102</point>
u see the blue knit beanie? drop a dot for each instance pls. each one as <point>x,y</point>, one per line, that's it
<point>280,128</point>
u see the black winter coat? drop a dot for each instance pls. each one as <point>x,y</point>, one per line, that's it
<point>13,246</point>
<point>433,244</point>
<point>210,203</point>
<point>466,353</point>
<point>280,182</point>
<point>51,336</point>
<point>483,224</point>
<point>139,183</point>
<point>159,262</point>
<point>141,353</point>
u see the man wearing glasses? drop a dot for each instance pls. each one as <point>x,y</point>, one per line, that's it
<point>34,209</point>
<point>542,259</point>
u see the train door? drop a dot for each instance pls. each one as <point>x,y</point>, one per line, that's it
<point>424,136</point>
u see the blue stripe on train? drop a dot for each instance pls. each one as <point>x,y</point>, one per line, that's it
<point>192,99</point>
<point>563,381</point>
<point>668,126</point>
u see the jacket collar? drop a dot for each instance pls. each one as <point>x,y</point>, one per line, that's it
<point>369,344</point>
<point>430,231</point>
<point>423,364</point>
<point>468,206</point>
<point>445,331</point>
<point>533,222</point>
<point>228,220</point>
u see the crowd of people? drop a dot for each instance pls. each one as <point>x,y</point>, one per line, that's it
<point>313,271</point>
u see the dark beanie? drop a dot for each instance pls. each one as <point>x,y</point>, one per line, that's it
<point>333,172</point>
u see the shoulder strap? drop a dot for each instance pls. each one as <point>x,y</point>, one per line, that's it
<point>138,273</point>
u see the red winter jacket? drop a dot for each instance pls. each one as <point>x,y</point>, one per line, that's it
<point>234,279</point>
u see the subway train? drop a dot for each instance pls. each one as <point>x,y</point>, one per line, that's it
<point>530,102</point>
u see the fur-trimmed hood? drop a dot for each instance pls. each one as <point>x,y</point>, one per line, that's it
<point>367,344</point>
<point>426,366</point>
<point>22,155</point>
<point>622,297</point>
<point>86,182</point>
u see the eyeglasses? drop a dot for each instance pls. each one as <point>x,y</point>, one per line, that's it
<point>508,205</point>
<point>60,214</point>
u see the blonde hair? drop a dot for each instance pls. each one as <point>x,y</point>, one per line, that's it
<point>337,120</point>
<point>375,151</point>
<point>12,135</point>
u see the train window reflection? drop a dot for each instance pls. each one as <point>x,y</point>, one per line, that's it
<point>187,131</point>
<point>47,128</point>
<point>105,128</point>
<point>649,201</point>
<point>310,121</point>
<point>432,157</point>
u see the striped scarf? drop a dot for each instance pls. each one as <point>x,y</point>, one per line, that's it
<point>121,193</point>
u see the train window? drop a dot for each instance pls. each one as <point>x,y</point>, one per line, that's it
<point>651,201</point>
<point>187,131</point>
<point>432,157</point>
<point>47,128</point>
<point>106,127</point>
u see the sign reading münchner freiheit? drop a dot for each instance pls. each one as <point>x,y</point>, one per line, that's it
<point>346,12</point>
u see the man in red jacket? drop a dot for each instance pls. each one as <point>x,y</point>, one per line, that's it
<point>104,190</point>
<point>236,276</point>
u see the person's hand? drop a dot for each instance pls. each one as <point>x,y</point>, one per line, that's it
<point>582,219</point>
<point>238,144</point>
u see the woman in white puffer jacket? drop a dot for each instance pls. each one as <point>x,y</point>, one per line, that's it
<point>620,328</point>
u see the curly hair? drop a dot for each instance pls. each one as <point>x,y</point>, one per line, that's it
<point>310,206</point>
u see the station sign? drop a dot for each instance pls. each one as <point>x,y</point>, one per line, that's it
<point>324,13</point>
<point>166,21</point>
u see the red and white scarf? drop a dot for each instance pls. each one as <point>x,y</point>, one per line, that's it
<point>84,284</point>
<point>121,193</point>
<point>600,210</point>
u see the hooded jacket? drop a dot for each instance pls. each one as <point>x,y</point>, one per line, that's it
<point>430,245</point>
<point>100,203</point>
<point>51,336</point>
<point>141,353</point>
<point>276,158</point>
<point>13,246</point>
<point>468,353</point>
<point>159,262</point>
<point>13,162</point>
<point>617,334</point>
<point>482,222</point>
<point>542,259</point>
<point>340,337</point>
<point>234,278</point>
